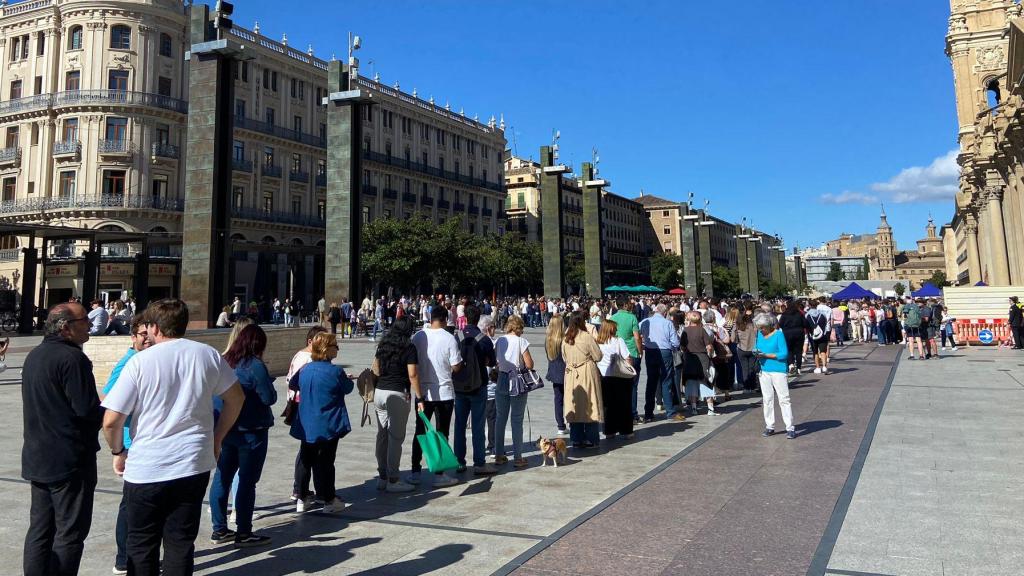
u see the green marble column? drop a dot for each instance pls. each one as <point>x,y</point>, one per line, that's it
<point>206,222</point>
<point>753,252</point>
<point>593,259</point>
<point>689,248</point>
<point>704,253</point>
<point>741,258</point>
<point>551,222</point>
<point>344,217</point>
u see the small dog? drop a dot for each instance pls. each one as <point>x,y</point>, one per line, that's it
<point>553,449</point>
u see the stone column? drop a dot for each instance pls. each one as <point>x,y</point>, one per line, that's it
<point>593,259</point>
<point>997,237</point>
<point>778,267</point>
<point>704,252</point>
<point>688,249</point>
<point>973,253</point>
<point>752,268</point>
<point>551,222</point>
<point>741,258</point>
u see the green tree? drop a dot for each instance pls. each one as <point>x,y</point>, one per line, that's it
<point>771,289</point>
<point>835,272</point>
<point>666,270</point>
<point>725,281</point>
<point>899,289</point>
<point>575,273</point>
<point>939,279</point>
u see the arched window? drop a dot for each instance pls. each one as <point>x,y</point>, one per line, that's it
<point>8,242</point>
<point>112,228</point>
<point>121,37</point>
<point>166,46</point>
<point>75,38</point>
<point>992,93</point>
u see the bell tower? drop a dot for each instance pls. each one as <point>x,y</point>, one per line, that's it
<point>885,268</point>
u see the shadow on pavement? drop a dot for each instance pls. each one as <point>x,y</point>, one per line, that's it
<point>817,426</point>
<point>429,561</point>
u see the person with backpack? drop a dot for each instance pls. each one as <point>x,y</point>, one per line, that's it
<point>470,385</point>
<point>818,320</point>
<point>396,364</point>
<point>911,314</point>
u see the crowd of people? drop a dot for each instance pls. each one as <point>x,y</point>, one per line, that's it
<point>175,410</point>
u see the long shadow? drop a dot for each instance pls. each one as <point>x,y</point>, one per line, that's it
<point>813,426</point>
<point>429,561</point>
<point>297,559</point>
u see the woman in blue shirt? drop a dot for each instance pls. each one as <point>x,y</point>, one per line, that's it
<point>321,421</point>
<point>244,449</point>
<point>773,355</point>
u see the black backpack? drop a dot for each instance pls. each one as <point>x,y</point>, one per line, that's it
<point>470,378</point>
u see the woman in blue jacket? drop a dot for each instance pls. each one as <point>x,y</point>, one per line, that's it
<point>321,421</point>
<point>772,353</point>
<point>244,449</point>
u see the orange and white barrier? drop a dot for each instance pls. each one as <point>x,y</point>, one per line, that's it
<point>967,330</point>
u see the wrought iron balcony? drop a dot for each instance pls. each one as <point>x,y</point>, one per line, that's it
<point>369,190</point>
<point>241,164</point>
<point>67,148</point>
<point>408,197</point>
<point>487,212</point>
<point>321,180</point>
<point>430,170</point>
<point>427,201</point>
<point>474,209</point>
<point>299,176</point>
<point>165,150</point>
<point>277,217</point>
<point>122,147</point>
<point>270,170</point>
<point>279,131</point>
<point>127,97</point>
<point>117,201</point>
<point>10,155</point>
<point>443,204</point>
<point>390,194</point>
<point>460,207</point>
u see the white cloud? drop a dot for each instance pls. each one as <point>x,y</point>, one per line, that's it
<point>937,181</point>
<point>848,197</point>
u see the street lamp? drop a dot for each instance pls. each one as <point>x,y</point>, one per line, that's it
<point>354,43</point>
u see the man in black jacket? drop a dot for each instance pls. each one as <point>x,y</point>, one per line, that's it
<point>1017,323</point>
<point>62,417</point>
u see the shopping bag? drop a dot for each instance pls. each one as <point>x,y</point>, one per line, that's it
<point>436,451</point>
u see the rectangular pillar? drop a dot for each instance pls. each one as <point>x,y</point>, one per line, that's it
<point>704,251</point>
<point>140,287</point>
<point>593,259</point>
<point>551,223</point>
<point>90,275</point>
<point>753,248</point>
<point>689,249</point>
<point>28,287</point>
<point>741,258</point>
<point>344,217</point>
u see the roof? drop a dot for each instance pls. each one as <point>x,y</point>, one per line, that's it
<point>648,201</point>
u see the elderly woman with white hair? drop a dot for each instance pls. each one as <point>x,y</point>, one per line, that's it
<point>772,353</point>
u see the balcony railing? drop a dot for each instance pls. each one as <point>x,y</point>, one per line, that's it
<point>474,209</point>
<point>241,165</point>
<point>369,190</point>
<point>487,212</point>
<point>321,180</point>
<point>408,197</point>
<point>278,217</point>
<point>430,170</point>
<point>299,176</point>
<point>427,201</point>
<point>83,97</point>
<point>270,171</point>
<point>84,201</point>
<point>443,204</point>
<point>572,208</point>
<point>279,131</point>
<point>460,207</point>
<point>12,154</point>
<point>390,194</point>
<point>10,255</point>
<point>165,150</point>
<point>67,148</point>
<point>115,147</point>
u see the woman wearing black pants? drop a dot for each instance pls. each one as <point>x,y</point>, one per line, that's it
<point>794,330</point>
<point>745,337</point>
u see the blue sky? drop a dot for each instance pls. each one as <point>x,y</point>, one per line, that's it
<point>802,115</point>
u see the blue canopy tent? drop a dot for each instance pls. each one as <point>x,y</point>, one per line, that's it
<point>928,290</point>
<point>854,292</point>
<point>980,283</point>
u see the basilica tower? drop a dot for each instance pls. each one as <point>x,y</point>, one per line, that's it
<point>884,263</point>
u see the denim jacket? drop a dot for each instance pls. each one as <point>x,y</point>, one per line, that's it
<point>322,414</point>
<point>260,395</point>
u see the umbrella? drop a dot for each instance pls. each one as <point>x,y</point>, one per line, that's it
<point>677,291</point>
<point>614,289</point>
<point>653,289</point>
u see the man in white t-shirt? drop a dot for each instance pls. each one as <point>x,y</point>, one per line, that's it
<point>439,357</point>
<point>168,390</point>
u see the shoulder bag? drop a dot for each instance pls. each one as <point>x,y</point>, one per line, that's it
<point>366,383</point>
<point>523,381</point>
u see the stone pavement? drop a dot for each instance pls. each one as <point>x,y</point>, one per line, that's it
<point>940,492</point>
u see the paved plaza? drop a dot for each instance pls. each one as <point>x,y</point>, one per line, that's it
<point>708,496</point>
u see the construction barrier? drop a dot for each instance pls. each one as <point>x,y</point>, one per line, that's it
<point>967,330</point>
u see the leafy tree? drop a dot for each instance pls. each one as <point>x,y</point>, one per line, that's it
<point>939,279</point>
<point>899,289</point>
<point>835,272</point>
<point>665,270</point>
<point>575,273</point>
<point>725,281</point>
<point>771,289</point>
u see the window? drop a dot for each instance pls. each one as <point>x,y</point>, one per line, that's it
<point>117,129</point>
<point>296,162</point>
<point>10,184</point>
<point>366,214</point>
<point>457,171</point>
<point>273,80</point>
<point>484,175</point>
<point>296,205</point>
<point>321,167</point>
<point>440,163</point>
<point>266,78</point>
<point>302,90</point>
<point>245,70</point>
<point>667,230</point>
<point>664,213</point>
<point>121,37</point>
<point>268,156</point>
<point>239,150</point>
<point>70,129</point>
<point>40,43</point>
<point>268,202</point>
<point>113,182</point>
<point>297,124</point>
<point>159,191</point>
<point>24,47</point>
<point>387,149</point>
<point>483,151</point>
<point>73,80</point>
<point>366,145</point>
<point>321,209</point>
<point>239,108</point>
<point>521,200</point>
<point>366,177</point>
<point>163,133</point>
<point>238,196</point>
<point>166,46</point>
<point>269,116</point>
<point>15,89</point>
<point>425,163</point>
<point>387,213</point>
<point>295,87</point>
<point>67,184</point>
<point>163,87</point>
<point>35,135</point>
<point>323,131</point>
<point>117,80</point>
<point>75,38</point>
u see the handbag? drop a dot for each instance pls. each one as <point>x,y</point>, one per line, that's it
<point>623,368</point>
<point>367,385</point>
<point>436,451</point>
<point>523,381</point>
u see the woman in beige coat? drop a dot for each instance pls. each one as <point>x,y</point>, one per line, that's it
<point>583,406</point>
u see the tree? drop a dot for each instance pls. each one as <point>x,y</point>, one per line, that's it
<point>899,289</point>
<point>835,272</point>
<point>725,281</point>
<point>575,273</point>
<point>771,289</point>
<point>938,279</point>
<point>666,270</point>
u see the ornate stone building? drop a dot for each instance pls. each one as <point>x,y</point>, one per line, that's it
<point>94,114</point>
<point>919,266</point>
<point>985,44</point>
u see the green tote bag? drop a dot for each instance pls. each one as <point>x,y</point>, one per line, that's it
<point>436,452</point>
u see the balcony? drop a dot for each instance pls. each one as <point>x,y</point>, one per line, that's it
<point>277,217</point>
<point>369,190</point>
<point>321,180</point>
<point>566,207</point>
<point>429,170</point>
<point>165,150</point>
<point>280,132</point>
<point>67,148</point>
<point>270,171</point>
<point>427,201</point>
<point>116,147</point>
<point>117,201</point>
<point>242,165</point>
<point>298,176</point>
<point>487,212</point>
<point>408,197</point>
<point>10,155</point>
<point>390,194</point>
<point>125,97</point>
<point>474,210</point>
<point>443,204</point>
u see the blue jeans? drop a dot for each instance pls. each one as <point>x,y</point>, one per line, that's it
<point>376,328</point>
<point>245,453</point>
<point>880,333</point>
<point>660,370</point>
<point>505,405</point>
<point>475,404</point>
<point>581,432</point>
<point>636,382</point>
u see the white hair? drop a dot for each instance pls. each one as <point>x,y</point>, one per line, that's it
<point>485,323</point>
<point>765,320</point>
<point>661,309</point>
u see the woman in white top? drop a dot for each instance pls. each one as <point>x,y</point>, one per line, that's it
<point>616,387</point>
<point>513,354</point>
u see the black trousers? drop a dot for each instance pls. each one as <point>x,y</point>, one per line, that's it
<point>618,408</point>
<point>165,513</point>
<point>317,459</point>
<point>795,345</point>
<point>59,521</point>
<point>442,413</point>
<point>1018,336</point>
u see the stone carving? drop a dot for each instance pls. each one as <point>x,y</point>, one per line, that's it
<point>1014,11</point>
<point>958,24</point>
<point>73,61</point>
<point>991,58</point>
<point>122,60</point>
<point>994,194</point>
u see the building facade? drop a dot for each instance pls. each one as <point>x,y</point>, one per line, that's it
<point>985,45</point>
<point>94,115</point>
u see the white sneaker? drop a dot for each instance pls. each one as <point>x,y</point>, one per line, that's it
<point>817,370</point>
<point>954,348</point>
<point>336,506</point>
<point>399,487</point>
<point>413,478</point>
<point>943,348</point>
<point>303,504</point>
<point>444,481</point>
